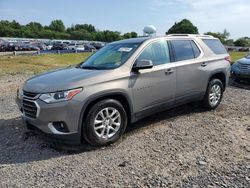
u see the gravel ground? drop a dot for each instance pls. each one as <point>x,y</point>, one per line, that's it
<point>183,147</point>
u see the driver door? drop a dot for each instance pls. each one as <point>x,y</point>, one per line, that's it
<point>154,89</point>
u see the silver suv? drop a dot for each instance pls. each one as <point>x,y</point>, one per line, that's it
<point>122,83</point>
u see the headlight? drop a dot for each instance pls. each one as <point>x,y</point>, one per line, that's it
<point>59,96</point>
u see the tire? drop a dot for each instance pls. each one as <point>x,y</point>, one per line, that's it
<point>101,129</point>
<point>214,94</point>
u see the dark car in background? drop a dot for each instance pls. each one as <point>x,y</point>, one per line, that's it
<point>12,46</point>
<point>240,70</point>
<point>28,47</point>
<point>89,47</point>
<point>59,46</point>
<point>98,45</point>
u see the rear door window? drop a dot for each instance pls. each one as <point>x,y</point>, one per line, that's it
<point>215,45</point>
<point>184,49</point>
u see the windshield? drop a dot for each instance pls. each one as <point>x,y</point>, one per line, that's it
<point>110,56</point>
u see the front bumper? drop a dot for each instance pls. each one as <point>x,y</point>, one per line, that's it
<point>240,74</point>
<point>67,113</point>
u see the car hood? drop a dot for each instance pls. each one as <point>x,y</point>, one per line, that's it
<point>61,79</point>
<point>244,61</point>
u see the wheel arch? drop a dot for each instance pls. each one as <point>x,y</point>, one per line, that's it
<point>121,96</point>
<point>221,76</point>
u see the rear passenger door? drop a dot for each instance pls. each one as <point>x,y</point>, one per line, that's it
<point>188,69</point>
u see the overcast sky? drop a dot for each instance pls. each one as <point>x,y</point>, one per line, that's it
<point>133,15</point>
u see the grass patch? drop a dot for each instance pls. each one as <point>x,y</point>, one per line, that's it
<point>237,55</point>
<point>11,65</point>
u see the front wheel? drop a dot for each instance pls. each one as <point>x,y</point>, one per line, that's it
<point>213,95</point>
<point>105,123</point>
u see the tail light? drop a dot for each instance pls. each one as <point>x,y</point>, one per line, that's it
<point>229,59</point>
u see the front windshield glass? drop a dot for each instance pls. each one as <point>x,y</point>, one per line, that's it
<point>110,56</point>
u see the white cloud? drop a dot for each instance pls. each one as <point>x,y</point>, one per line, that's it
<point>212,15</point>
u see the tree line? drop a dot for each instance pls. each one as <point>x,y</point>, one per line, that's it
<point>186,26</point>
<point>57,30</point>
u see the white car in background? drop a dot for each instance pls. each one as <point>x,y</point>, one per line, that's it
<point>72,46</point>
<point>80,47</point>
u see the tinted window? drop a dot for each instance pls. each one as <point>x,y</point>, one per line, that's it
<point>184,49</point>
<point>157,52</point>
<point>215,45</point>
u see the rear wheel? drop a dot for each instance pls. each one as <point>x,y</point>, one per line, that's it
<point>105,123</point>
<point>213,95</point>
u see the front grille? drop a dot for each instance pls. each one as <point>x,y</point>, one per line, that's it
<point>29,95</point>
<point>29,108</point>
<point>245,67</point>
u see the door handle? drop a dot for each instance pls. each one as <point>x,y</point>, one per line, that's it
<point>169,71</point>
<point>204,64</point>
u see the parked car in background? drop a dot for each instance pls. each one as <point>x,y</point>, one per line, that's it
<point>28,47</point>
<point>80,47</point>
<point>41,46</point>
<point>89,47</point>
<point>13,46</point>
<point>72,46</point>
<point>3,45</point>
<point>122,83</point>
<point>240,70</point>
<point>98,45</point>
<point>60,46</point>
<point>48,46</point>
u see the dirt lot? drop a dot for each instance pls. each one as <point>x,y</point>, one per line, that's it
<point>183,147</point>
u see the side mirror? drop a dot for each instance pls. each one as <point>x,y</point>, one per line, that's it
<point>143,64</point>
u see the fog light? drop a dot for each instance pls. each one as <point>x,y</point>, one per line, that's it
<point>58,127</point>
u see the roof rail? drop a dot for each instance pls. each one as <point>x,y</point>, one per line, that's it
<point>189,35</point>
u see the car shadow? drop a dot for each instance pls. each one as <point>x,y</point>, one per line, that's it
<point>18,145</point>
<point>242,84</point>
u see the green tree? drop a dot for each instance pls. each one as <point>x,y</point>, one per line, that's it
<point>229,42</point>
<point>47,34</point>
<point>134,34</point>
<point>243,42</point>
<point>88,27</point>
<point>183,27</point>
<point>129,35</point>
<point>222,36</point>
<point>57,30</point>
<point>57,25</point>
<point>81,34</point>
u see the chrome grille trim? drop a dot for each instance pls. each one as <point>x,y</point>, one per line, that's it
<point>30,108</point>
<point>245,67</point>
<point>30,95</point>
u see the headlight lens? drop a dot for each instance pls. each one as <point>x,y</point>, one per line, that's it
<point>59,96</point>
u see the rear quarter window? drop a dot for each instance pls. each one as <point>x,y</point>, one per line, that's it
<point>215,45</point>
